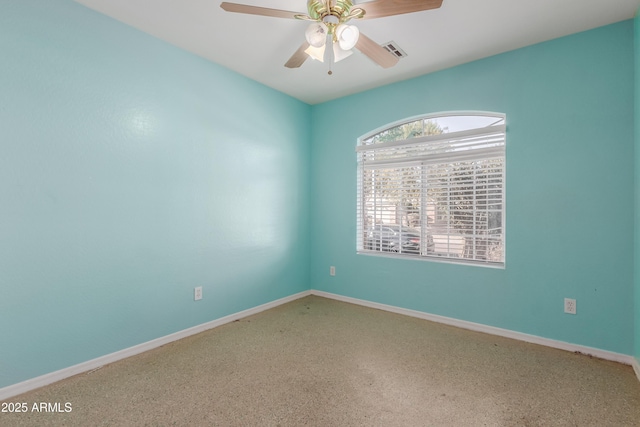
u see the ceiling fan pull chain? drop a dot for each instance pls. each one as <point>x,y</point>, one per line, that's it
<point>331,58</point>
<point>328,52</point>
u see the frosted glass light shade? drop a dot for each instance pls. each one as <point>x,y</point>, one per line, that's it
<point>316,53</point>
<point>347,36</point>
<point>339,54</point>
<point>316,34</point>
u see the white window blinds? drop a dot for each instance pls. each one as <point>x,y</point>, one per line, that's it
<point>434,188</point>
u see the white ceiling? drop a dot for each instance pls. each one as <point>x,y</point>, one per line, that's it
<point>460,31</point>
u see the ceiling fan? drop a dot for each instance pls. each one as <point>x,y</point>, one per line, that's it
<point>329,27</point>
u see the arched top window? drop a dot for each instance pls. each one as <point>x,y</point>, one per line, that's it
<point>435,125</point>
<point>432,187</point>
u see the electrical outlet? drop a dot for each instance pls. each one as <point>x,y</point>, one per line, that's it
<point>332,271</point>
<point>197,293</point>
<point>570,306</point>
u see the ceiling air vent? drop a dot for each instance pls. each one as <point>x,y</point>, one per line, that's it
<point>395,49</point>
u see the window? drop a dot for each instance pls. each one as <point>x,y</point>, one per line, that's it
<point>433,188</point>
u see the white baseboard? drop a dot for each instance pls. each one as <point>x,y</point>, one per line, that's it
<point>636,367</point>
<point>43,380</point>
<point>602,354</point>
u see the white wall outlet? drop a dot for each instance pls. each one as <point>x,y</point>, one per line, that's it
<point>570,306</point>
<point>197,293</point>
<point>332,271</point>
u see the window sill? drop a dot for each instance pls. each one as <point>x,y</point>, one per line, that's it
<point>437,259</point>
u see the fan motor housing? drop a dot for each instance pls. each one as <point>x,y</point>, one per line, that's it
<point>319,9</point>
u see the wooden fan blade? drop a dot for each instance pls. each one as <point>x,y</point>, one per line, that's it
<point>382,8</point>
<point>298,58</point>
<point>375,52</point>
<point>255,10</point>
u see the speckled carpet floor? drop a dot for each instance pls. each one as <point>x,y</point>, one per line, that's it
<point>319,362</point>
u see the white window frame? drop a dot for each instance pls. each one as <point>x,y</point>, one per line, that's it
<point>475,146</point>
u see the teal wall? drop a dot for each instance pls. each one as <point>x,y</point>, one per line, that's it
<point>569,192</point>
<point>637,193</point>
<point>131,172</point>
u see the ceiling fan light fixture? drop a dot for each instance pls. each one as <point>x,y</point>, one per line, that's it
<point>347,36</point>
<point>316,34</point>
